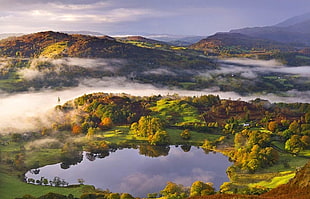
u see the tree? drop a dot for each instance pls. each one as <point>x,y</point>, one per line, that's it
<point>200,188</point>
<point>76,129</point>
<point>160,138</point>
<point>152,195</point>
<point>294,127</point>
<point>106,123</point>
<point>272,126</point>
<point>253,165</point>
<point>294,144</point>
<point>305,140</point>
<point>172,188</point>
<point>16,137</point>
<point>208,145</point>
<point>113,196</point>
<point>81,181</point>
<point>307,118</point>
<point>239,140</point>
<point>126,196</point>
<point>186,135</point>
<point>90,133</point>
<point>146,126</point>
<point>286,134</point>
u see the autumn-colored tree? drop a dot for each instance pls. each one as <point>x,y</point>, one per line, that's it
<point>106,123</point>
<point>294,127</point>
<point>285,123</point>
<point>76,129</point>
<point>186,135</point>
<point>305,140</point>
<point>272,126</point>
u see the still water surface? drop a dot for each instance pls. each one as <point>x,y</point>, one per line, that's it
<point>127,171</point>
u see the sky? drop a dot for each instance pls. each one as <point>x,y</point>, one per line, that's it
<point>178,17</point>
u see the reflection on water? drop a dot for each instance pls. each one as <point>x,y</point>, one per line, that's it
<point>128,171</point>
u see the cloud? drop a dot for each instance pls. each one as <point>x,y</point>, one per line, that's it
<point>68,15</point>
<point>78,6</point>
<point>138,183</point>
<point>195,174</point>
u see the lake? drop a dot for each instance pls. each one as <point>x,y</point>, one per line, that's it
<point>128,171</point>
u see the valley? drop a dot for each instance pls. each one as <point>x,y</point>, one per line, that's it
<point>227,116</point>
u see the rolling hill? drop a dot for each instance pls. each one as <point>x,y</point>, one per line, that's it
<point>236,43</point>
<point>56,44</point>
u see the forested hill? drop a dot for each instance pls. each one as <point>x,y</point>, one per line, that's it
<point>236,43</point>
<point>55,45</point>
<point>297,188</point>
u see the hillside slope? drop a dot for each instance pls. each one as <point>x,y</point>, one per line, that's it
<point>297,188</point>
<point>237,43</point>
<point>55,44</point>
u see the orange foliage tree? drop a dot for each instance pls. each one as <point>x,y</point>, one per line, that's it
<point>106,123</point>
<point>76,129</point>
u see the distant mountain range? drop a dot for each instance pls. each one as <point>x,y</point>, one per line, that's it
<point>287,42</point>
<point>295,30</point>
<point>6,35</point>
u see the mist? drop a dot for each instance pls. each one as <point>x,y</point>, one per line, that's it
<point>40,67</point>
<point>33,110</point>
<point>250,69</point>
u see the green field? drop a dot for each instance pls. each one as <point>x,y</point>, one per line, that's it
<point>12,187</point>
<point>276,181</point>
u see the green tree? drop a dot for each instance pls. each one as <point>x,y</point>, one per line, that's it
<point>90,133</point>
<point>208,145</point>
<point>307,118</point>
<point>294,144</point>
<point>113,196</point>
<point>126,196</point>
<point>294,127</point>
<point>16,137</point>
<point>159,138</point>
<point>146,126</point>
<point>173,189</point>
<point>200,188</point>
<point>239,140</point>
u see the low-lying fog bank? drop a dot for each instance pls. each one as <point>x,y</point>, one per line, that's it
<point>30,111</point>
